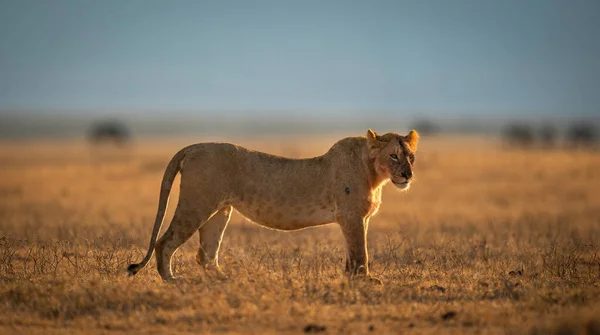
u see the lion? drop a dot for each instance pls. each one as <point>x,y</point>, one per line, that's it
<point>342,186</point>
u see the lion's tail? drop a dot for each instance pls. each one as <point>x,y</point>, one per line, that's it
<point>171,171</point>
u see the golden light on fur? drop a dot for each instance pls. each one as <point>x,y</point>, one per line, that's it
<point>412,139</point>
<point>372,137</point>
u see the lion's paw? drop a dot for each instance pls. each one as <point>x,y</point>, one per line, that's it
<point>368,279</point>
<point>175,280</point>
<point>375,280</point>
<point>214,271</point>
<point>218,274</point>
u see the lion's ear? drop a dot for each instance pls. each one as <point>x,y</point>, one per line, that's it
<point>372,138</point>
<point>413,139</point>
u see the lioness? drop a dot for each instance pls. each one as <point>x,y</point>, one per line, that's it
<point>343,186</point>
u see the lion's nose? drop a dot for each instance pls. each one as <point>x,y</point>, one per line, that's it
<point>407,175</point>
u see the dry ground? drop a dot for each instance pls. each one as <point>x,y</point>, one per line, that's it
<point>488,240</point>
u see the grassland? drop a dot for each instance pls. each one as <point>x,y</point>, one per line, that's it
<point>488,240</point>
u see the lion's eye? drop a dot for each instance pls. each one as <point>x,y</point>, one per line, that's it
<point>394,157</point>
<point>412,159</point>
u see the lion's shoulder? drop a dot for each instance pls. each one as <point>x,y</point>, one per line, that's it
<point>348,145</point>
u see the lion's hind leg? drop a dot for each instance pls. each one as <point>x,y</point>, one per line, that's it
<point>186,221</point>
<point>211,235</point>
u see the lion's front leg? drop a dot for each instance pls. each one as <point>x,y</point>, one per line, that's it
<point>354,229</point>
<point>357,257</point>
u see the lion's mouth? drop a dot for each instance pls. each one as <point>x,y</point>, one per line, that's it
<point>403,184</point>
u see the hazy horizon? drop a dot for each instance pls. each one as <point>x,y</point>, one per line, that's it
<point>15,126</point>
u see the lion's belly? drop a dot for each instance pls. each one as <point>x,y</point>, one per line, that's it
<point>291,217</point>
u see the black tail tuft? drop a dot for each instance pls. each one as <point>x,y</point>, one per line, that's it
<point>133,269</point>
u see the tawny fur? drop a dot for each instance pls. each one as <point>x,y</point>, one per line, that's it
<point>342,186</point>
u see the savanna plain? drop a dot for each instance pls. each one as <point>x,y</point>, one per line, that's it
<point>489,239</point>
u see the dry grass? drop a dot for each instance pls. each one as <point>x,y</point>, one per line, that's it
<point>488,240</point>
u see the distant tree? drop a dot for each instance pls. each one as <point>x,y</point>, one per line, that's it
<point>548,135</point>
<point>426,127</point>
<point>519,135</point>
<point>110,131</point>
<point>581,134</point>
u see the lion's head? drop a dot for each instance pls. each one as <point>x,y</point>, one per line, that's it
<point>393,156</point>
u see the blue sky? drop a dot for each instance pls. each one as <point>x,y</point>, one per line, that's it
<point>478,56</point>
